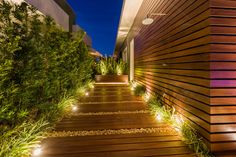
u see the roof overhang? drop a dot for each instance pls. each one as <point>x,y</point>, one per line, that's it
<point>94,53</point>
<point>128,14</point>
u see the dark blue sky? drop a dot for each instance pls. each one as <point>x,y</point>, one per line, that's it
<point>100,19</point>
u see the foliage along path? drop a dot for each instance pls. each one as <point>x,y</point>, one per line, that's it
<point>112,122</point>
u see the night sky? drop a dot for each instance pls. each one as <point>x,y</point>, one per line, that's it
<point>100,19</point>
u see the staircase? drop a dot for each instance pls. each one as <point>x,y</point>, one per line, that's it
<point>112,122</point>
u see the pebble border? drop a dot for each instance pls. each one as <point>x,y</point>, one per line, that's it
<point>161,131</point>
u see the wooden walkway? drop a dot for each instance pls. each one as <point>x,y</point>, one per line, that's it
<point>112,122</point>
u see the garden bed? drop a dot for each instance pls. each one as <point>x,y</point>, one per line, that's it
<point>111,78</point>
<point>37,89</point>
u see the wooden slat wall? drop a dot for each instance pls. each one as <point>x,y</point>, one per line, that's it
<point>185,57</point>
<point>223,78</point>
<point>172,54</point>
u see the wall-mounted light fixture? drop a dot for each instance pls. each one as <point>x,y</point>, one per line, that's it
<point>149,18</point>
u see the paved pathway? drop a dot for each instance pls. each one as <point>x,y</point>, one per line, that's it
<point>112,122</point>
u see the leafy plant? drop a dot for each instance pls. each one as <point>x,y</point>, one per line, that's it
<point>121,67</point>
<point>102,67</point>
<point>190,136</point>
<point>169,115</point>
<point>139,90</point>
<point>38,62</point>
<point>41,68</point>
<point>22,138</point>
<point>108,65</point>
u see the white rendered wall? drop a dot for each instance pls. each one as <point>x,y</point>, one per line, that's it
<point>51,8</point>
<point>124,55</point>
<point>87,38</point>
<point>16,1</point>
<point>131,52</point>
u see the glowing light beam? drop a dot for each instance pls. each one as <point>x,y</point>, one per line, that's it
<point>37,151</point>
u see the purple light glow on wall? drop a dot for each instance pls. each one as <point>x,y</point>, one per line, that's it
<point>223,83</point>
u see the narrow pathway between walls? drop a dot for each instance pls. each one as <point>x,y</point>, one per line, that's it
<point>111,122</point>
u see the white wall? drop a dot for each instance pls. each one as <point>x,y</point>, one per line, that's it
<point>16,1</point>
<point>124,55</point>
<point>51,8</point>
<point>87,38</point>
<point>131,52</point>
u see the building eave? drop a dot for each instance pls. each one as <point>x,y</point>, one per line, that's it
<point>129,11</point>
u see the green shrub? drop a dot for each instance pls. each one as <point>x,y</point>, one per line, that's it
<point>188,134</point>
<point>39,62</point>
<point>140,90</point>
<point>102,67</point>
<point>121,67</point>
<point>110,66</point>
<point>41,69</point>
<point>22,138</point>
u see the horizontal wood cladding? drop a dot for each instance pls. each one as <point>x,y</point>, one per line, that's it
<point>172,58</point>
<point>223,78</point>
<point>188,57</point>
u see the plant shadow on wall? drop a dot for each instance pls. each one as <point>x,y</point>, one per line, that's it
<point>164,113</point>
<point>109,66</point>
<point>42,69</point>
